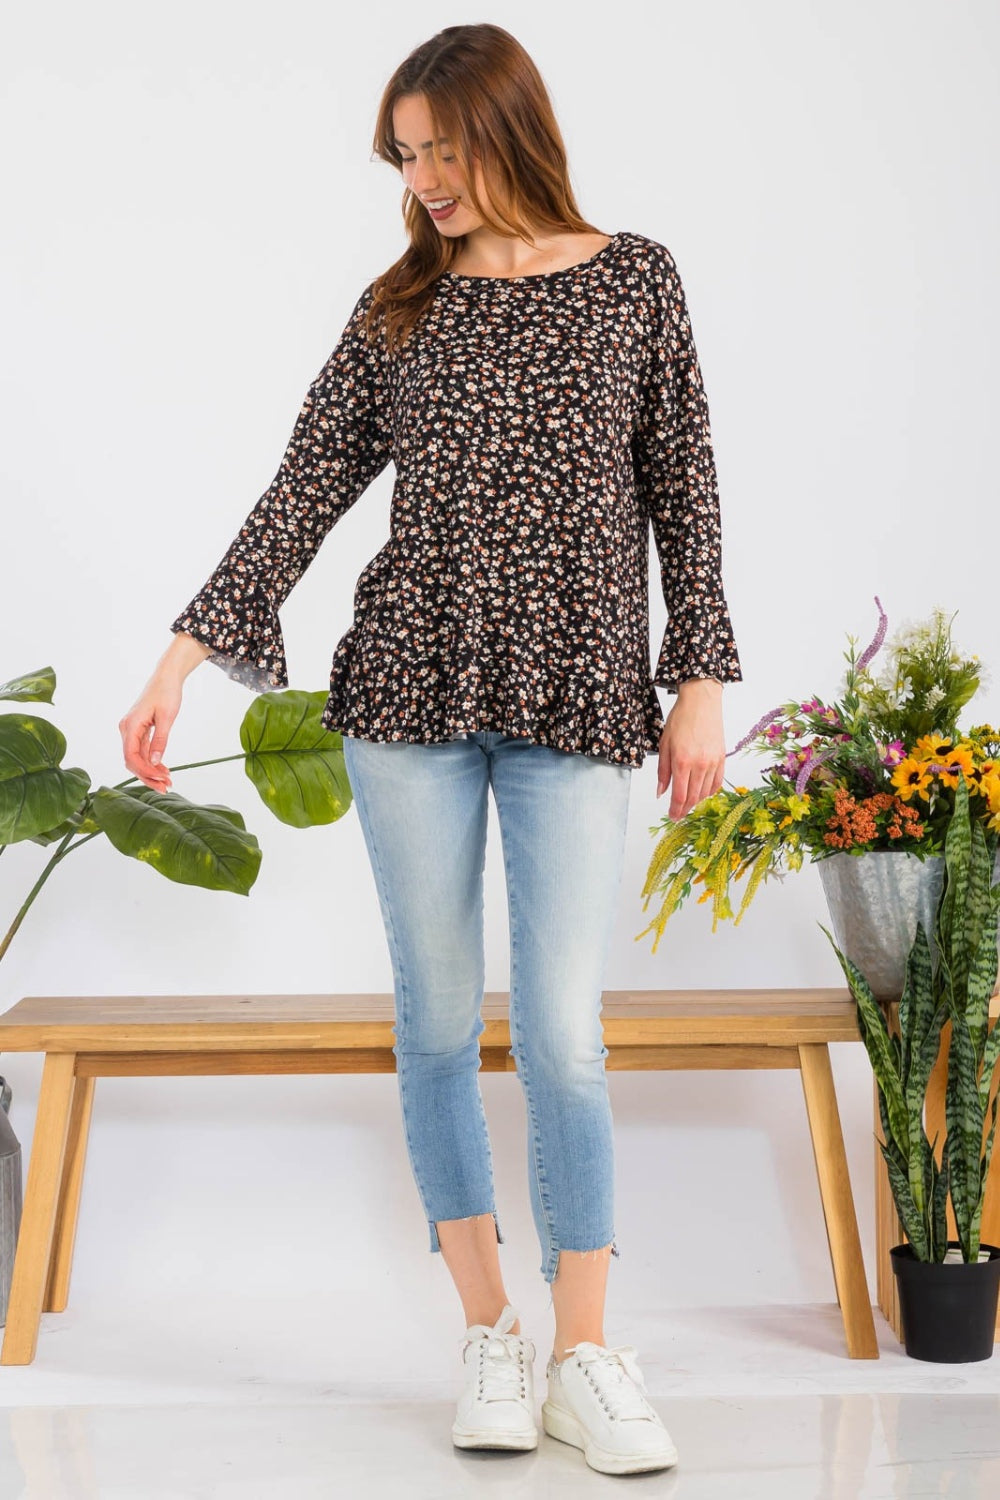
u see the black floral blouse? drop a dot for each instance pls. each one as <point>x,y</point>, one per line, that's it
<point>538,425</point>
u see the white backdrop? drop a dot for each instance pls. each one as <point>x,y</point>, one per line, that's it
<point>191,212</point>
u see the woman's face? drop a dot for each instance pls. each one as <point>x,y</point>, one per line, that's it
<point>411,128</point>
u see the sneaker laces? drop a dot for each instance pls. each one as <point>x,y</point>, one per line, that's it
<point>616,1376</point>
<point>500,1355</point>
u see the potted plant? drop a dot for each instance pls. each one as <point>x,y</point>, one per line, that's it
<point>947,1289</point>
<point>296,766</point>
<point>864,786</point>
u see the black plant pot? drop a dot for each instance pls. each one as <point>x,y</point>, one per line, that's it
<point>948,1309</point>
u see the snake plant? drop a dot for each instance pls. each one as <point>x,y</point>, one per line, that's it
<point>955,985</point>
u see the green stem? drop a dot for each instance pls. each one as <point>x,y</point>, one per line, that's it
<point>67,848</point>
<point>59,854</point>
<point>191,766</point>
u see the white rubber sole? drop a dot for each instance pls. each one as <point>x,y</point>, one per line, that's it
<point>485,1437</point>
<point>562,1425</point>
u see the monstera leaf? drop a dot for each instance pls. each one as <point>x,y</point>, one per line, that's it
<point>35,790</point>
<point>296,765</point>
<point>205,844</point>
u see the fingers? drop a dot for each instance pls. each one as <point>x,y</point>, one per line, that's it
<point>144,733</point>
<point>680,802</point>
<point>693,780</point>
<point>663,772</point>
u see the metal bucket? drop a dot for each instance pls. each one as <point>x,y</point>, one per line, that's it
<point>10,1196</point>
<point>875,901</point>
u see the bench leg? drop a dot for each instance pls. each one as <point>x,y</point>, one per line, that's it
<point>38,1216</point>
<point>68,1205</point>
<point>838,1200</point>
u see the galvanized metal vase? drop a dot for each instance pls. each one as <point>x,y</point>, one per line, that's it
<point>875,901</point>
<point>10,1196</point>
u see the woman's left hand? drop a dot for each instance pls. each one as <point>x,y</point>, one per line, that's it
<point>692,746</point>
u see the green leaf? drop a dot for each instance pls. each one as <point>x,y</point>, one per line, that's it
<point>296,765</point>
<point>206,846</point>
<point>86,824</point>
<point>982,981</point>
<point>36,792</point>
<point>951,908</point>
<point>939,1208</point>
<point>991,1055</point>
<point>977,904</point>
<point>33,687</point>
<point>910,1217</point>
<point>919,1016</point>
<point>965,1119</point>
<point>884,1058</point>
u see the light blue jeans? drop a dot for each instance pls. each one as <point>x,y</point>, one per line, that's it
<point>562,817</point>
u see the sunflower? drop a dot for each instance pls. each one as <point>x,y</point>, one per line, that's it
<point>912,778</point>
<point>952,761</point>
<point>930,747</point>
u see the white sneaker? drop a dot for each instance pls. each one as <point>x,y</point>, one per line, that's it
<point>596,1402</point>
<point>497,1407</point>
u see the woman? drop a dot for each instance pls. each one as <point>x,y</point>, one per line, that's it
<point>536,385</point>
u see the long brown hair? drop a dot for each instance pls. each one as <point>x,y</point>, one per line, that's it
<point>486,95</point>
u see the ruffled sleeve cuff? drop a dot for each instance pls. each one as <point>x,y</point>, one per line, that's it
<point>710,651</point>
<point>241,626</point>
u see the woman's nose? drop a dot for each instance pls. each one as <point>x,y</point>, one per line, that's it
<point>424,179</point>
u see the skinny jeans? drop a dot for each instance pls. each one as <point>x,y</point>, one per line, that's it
<point>562,818</point>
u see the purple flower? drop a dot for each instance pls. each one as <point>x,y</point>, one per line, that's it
<point>760,725</point>
<point>893,753</point>
<point>810,765</point>
<point>879,637</point>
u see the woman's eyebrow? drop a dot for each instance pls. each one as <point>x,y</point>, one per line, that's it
<point>424,145</point>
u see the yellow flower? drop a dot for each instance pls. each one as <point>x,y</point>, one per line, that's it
<point>959,759</point>
<point>762,821</point>
<point>798,806</point>
<point>989,787</point>
<point>910,778</point>
<point>928,747</point>
<point>742,790</point>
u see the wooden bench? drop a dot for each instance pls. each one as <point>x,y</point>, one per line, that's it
<point>91,1037</point>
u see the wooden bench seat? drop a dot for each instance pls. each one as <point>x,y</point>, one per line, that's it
<point>89,1037</point>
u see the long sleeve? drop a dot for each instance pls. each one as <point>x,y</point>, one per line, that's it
<point>341,442</point>
<point>677,486</point>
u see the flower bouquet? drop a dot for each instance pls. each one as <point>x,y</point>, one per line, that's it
<point>876,769</point>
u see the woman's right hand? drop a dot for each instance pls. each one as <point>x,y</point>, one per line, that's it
<point>144,730</point>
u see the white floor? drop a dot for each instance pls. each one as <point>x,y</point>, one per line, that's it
<point>761,1401</point>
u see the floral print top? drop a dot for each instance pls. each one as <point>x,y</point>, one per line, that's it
<point>538,426</point>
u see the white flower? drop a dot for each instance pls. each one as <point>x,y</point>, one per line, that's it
<point>901,690</point>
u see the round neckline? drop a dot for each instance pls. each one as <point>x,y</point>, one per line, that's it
<point>541,275</point>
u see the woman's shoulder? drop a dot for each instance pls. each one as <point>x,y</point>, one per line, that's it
<point>646,255</point>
